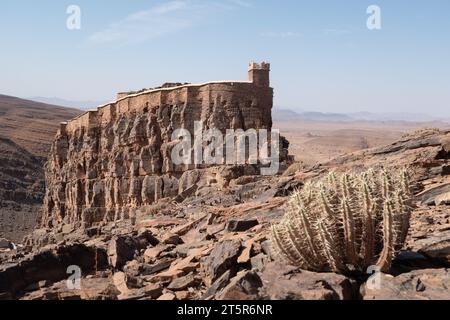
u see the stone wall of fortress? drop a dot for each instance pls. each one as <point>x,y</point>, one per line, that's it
<point>107,163</point>
<point>230,95</point>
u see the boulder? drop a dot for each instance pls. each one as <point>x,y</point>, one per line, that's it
<point>284,282</point>
<point>182,295</point>
<point>245,286</point>
<point>218,285</point>
<point>428,284</point>
<point>129,291</point>
<point>442,199</point>
<point>160,265</point>
<point>435,194</point>
<point>57,291</point>
<point>259,261</point>
<point>183,283</point>
<point>121,283</point>
<point>128,283</point>
<point>186,265</point>
<point>121,249</point>
<point>152,290</point>
<point>5,244</point>
<point>171,238</point>
<point>151,254</point>
<point>222,258</point>
<point>50,264</point>
<point>98,289</point>
<point>166,276</point>
<point>286,187</point>
<point>145,238</point>
<point>241,225</point>
<point>93,232</point>
<point>438,252</point>
<point>407,261</point>
<point>167,297</point>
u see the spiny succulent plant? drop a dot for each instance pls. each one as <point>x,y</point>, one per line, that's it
<point>346,223</point>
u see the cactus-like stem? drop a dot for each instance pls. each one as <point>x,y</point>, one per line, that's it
<point>387,255</point>
<point>326,206</point>
<point>308,230</point>
<point>349,232</point>
<point>281,242</point>
<point>385,185</point>
<point>368,245</point>
<point>329,248</point>
<point>355,220</point>
<point>307,257</point>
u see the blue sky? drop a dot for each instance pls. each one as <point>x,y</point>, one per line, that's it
<point>322,54</point>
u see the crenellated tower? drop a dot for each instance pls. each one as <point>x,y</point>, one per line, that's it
<point>259,74</point>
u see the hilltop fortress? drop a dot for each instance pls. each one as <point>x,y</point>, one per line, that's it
<point>249,103</point>
<point>106,163</point>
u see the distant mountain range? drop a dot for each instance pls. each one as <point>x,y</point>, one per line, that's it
<point>281,114</point>
<point>80,104</point>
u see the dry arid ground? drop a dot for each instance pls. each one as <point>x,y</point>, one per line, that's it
<point>27,129</point>
<point>313,142</point>
<point>32,125</point>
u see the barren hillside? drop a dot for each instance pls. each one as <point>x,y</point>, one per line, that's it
<point>21,189</point>
<point>27,129</point>
<point>30,124</point>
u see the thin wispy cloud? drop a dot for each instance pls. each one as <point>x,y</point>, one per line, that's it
<point>241,3</point>
<point>162,19</point>
<point>336,32</point>
<point>146,24</point>
<point>285,34</point>
<point>158,10</point>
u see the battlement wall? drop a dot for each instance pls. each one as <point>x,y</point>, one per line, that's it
<point>200,95</point>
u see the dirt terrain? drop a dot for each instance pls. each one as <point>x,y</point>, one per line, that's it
<point>21,190</point>
<point>32,125</point>
<point>27,129</point>
<point>312,142</point>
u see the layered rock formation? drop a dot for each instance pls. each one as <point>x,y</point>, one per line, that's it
<point>106,163</point>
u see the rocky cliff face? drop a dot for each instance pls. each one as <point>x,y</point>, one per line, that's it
<point>106,164</point>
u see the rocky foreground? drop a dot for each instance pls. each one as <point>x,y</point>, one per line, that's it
<point>212,243</point>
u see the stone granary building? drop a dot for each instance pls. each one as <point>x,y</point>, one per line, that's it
<point>106,163</point>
